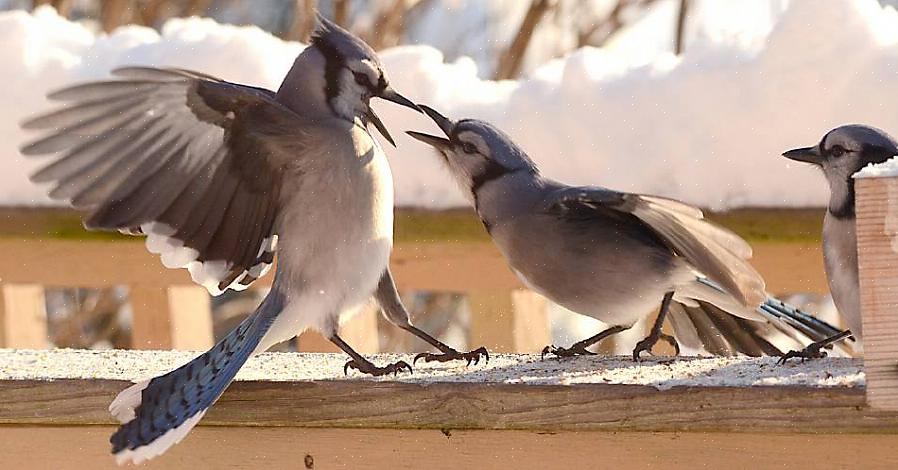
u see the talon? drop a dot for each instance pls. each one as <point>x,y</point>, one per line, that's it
<point>813,351</point>
<point>424,356</point>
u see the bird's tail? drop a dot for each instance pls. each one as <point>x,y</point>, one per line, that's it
<point>704,320</point>
<point>157,413</point>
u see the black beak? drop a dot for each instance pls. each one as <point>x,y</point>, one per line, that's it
<point>390,95</point>
<point>445,125</point>
<point>439,142</point>
<point>806,154</point>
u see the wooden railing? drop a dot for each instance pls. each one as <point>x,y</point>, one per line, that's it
<point>170,312</point>
<point>289,410</point>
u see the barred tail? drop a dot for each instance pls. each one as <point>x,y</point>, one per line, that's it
<point>703,324</point>
<point>158,413</point>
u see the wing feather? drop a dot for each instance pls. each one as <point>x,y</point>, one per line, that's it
<point>180,156</point>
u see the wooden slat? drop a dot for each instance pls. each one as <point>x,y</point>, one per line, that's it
<point>445,266</point>
<point>63,448</point>
<point>191,318</point>
<point>492,322</point>
<point>532,331</point>
<point>877,241</point>
<point>151,325</point>
<point>23,316</point>
<point>360,403</point>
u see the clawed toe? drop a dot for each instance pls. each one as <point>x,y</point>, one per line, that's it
<point>370,369</point>
<point>453,355</point>
<point>575,350</point>
<point>813,351</point>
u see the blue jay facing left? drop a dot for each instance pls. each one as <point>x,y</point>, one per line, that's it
<point>614,256</point>
<point>220,177</point>
<point>840,154</point>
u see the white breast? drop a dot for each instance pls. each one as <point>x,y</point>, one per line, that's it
<point>335,237</point>
<point>840,256</point>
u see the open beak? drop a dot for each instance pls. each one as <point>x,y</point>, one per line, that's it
<point>390,95</point>
<point>806,154</point>
<point>445,124</point>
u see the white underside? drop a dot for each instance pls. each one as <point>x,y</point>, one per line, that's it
<point>208,274</point>
<point>122,408</point>
<point>160,445</point>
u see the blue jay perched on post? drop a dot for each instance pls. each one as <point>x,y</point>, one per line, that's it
<point>220,177</point>
<point>615,256</point>
<point>841,153</point>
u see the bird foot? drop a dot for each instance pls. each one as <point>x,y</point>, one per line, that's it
<point>366,367</point>
<point>649,342</point>
<point>453,355</point>
<point>813,351</point>
<point>574,350</point>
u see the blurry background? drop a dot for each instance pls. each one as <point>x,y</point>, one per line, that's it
<point>691,99</point>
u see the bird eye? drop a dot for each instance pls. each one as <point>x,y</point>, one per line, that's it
<point>469,147</point>
<point>362,79</point>
<point>837,151</point>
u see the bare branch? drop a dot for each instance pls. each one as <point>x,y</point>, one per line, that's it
<point>511,61</point>
<point>303,21</point>
<point>341,13</point>
<point>114,13</point>
<point>681,26</point>
<point>63,7</point>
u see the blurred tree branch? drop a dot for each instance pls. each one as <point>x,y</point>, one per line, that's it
<point>512,59</point>
<point>681,26</point>
<point>341,12</point>
<point>597,33</point>
<point>303,21</point>
<point>114,13</point>
<point>63,7</point>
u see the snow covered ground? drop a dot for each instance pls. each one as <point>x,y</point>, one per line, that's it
<point>758,77</point>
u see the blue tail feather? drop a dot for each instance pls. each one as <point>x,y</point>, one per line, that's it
<point>168,401</point>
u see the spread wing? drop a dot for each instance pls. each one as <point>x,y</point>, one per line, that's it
<point>712,250</point>
<point>184,158</point>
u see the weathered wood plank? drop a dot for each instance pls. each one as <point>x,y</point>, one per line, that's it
<point>511,392</point>
<point>62,448</point>
<point>877,243</point>
<point>594,407</point>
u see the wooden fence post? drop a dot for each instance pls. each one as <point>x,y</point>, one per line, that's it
<point>190,310</point>
<point>23,316</point>
<point>877,242</point>
<point>174,317</point>
<point>508,321</point>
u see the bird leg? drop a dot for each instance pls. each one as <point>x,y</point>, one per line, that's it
<point>656,334</point>
<point>579,348</point>
<point>394,310</point>
<point>446,353</point>
<point>359,363</point>
<point>814,350</point>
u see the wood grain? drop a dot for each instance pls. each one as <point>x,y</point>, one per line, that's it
<point>64,448</point>
<point>877,241</point>
<point>354,404</point>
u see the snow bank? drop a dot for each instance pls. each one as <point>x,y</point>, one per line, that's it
<point>707,127</point>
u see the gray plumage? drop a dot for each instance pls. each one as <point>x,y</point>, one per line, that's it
<point>221,176</point>
<point>612,255</point>
<point>840,154</point>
